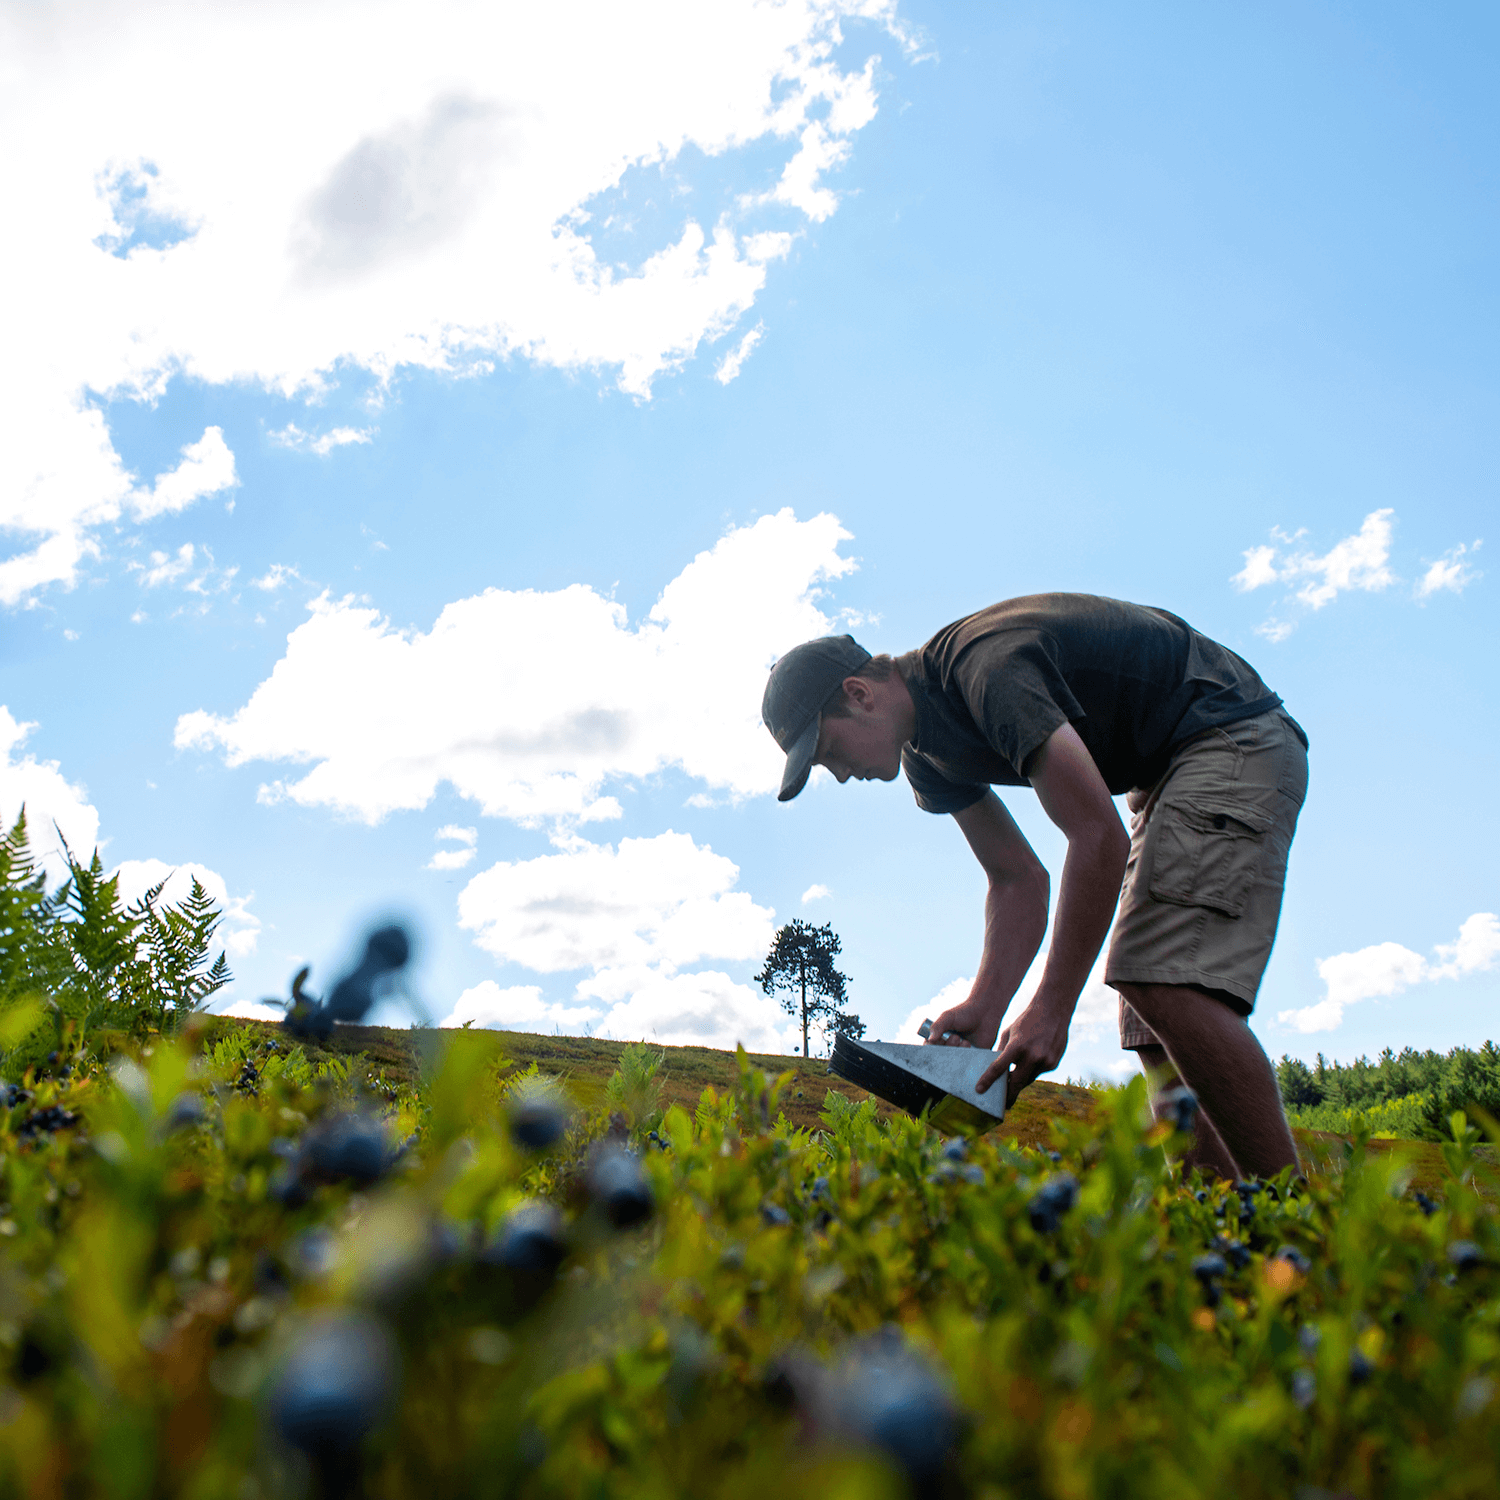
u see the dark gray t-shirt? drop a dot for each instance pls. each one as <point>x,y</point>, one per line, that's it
<point>1135,682</point>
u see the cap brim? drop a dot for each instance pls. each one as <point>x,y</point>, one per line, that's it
<point>799,759</point>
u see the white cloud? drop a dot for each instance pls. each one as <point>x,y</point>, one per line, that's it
<point>165,568</point>
<point>702,1009</point>
<point>455,859</point>
<point>1259,569</point>
<point>274,577</point>
<point>1449,572</point>
<point>632,916</point>
<point>734,361</point>
<point>207,468</point>
<point>168,568</point>
<point>815,893</point>
<point>430,202</point>
<point>697,1010</point>
<point>519,1007</point>
<point>238,933</point>
<point>1359,562</point>
<point>1388,969</point>
<point>952,993</point>
<point>1477,948</point>
<point>1275,630</point>
<point>292,436</point>
<point>659,901</point>
<point>250,1010</point>
<point>387,715</point>
<point>53,803</point>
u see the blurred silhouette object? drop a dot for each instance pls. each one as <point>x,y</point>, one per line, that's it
<point>386,952</point>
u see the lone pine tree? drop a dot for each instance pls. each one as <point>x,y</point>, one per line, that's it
<point>799,969</point>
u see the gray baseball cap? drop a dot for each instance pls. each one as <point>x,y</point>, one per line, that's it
<point>801,683</point>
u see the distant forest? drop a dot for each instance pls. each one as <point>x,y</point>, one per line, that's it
<point>1408,1094</point>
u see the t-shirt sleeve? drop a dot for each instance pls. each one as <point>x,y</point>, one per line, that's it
<point>1016,694</point>
<point>934,792</point>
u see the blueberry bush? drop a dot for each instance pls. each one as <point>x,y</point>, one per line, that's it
<point>236,1264</point>
<point>229,1272</point>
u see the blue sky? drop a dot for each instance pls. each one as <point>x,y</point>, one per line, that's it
<point>407,485</point>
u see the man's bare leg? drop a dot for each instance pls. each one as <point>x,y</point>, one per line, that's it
<point>1207,1153</point>
<point>1217,1056</point>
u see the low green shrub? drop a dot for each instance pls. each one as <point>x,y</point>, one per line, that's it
<point>226,1274</point>
<point>1401,1119</point>
<point>1409,1094</point>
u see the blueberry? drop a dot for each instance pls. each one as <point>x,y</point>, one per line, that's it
<point>889,1398</point>
<point>288,1187</point>
<point>1238,1254</point>
<point>185,1111</point>
<point>1360,1368</point>
<point>819,1189</point>
<point>334,1385</point>
<point>1426,1204</point>
<point>1247,1189</point>
<point>1309,1336</point>
<point>956,1150</point>
<point>1051,1201</point>
<point>268,1277</point>
<point>530,1240</point>
<point>32,1360</point>
<point>1295,1259</point>
<point>1180,1108</point>
<point>1201,1196</point>
<point>537,1121</point>
<point>1209,1267</point>
<point>1304,1388</point>
<point>973,1172</point>
<point>352,1147</point>
<point>1054,1156</point>
<point>616,1183</point>
<point>1465,1255</point>
<point>775,1215</point>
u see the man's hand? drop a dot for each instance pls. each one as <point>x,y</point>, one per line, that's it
<point>1031,1045</point>
<point>968,1024</point>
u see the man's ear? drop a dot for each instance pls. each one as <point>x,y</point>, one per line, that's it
<point>860,692</point>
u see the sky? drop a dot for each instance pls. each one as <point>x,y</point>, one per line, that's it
<point>422,426</point>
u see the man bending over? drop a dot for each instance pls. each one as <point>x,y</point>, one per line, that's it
<point>1083,698</point>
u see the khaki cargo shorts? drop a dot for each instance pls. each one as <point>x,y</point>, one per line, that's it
<point>1208,852</point>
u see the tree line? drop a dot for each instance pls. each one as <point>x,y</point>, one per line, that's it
<point>1430,1084</point>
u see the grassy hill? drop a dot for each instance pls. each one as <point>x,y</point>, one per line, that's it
<point>587,1062</point>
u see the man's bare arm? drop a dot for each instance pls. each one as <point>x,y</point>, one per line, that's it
<point>1074,795</point>
<point>1015,920</point>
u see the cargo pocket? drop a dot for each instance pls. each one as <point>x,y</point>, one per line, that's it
<point>1208,852</point>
